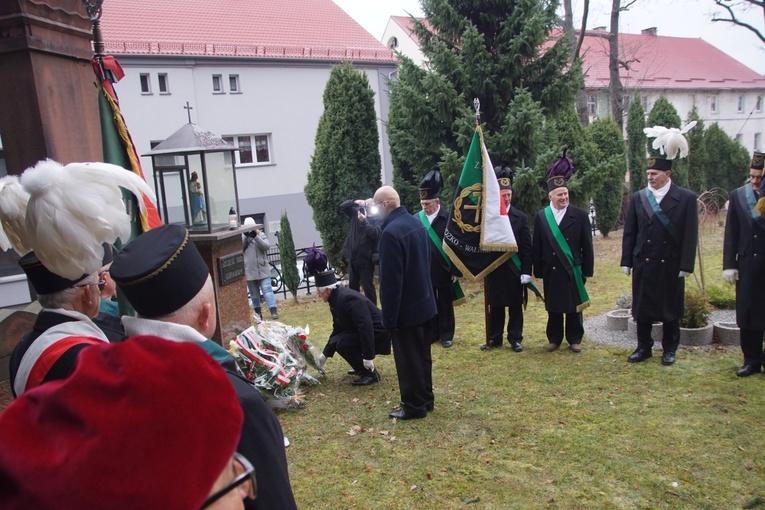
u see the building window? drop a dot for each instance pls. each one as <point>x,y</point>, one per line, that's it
<point>758,105</point>
<point>217,84</point>
<point>251,149</point>
<point>393,43</point>
<point>740,139</point>
<point>644,100</point>
<point>740,107</point>
<point>164,88</point>
<point>757,141</point>
<point>713,104</point>
<point>145,83</point>
<point>233,83</point>
<point>592,104</point>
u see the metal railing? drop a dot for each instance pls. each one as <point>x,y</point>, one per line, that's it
<point>274,257</point>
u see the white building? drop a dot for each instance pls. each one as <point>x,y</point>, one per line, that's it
<point>254,73</point>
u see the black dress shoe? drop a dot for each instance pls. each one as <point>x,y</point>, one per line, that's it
<point>639,355</point>
<point>516,346</point>
<point>668,358</point>
<point>748,370</point>
<point>408,414</point>
<point>368,379</point>
<point>447,344</point>
<point>486,347</point>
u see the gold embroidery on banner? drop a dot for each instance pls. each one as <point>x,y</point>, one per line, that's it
<point>457,215</point>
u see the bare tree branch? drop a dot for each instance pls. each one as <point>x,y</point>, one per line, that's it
<point>585,13</point>
<point>736,21</point>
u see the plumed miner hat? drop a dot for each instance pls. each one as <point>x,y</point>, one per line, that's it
<point>432,184</point>
<point>145,423</point>
<point>670,142</point>
<point>560,172</point>
<point>504,176</point>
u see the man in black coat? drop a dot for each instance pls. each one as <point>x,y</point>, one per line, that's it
<point>357,330</point>
<point>434,218</point>
<point>659,247</point>
<point>743,252</point>
<point>166,280</point>
<point>407,302</point>
<point>505,285</point>
<point>563,257</point>
<point>360,248</point>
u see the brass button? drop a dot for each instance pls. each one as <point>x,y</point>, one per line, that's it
<point>662,261</point>
<point>553,267</point>
<point>647,259</point>
<point>648,241</point>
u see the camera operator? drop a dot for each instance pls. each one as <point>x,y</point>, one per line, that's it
<point>360,249</point>
<point>257,270</point>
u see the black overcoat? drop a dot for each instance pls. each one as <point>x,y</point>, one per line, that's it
<point>560,291</point>
<point>656,257</point>
<point>406,292</point>
<point>503,285</point>
<point>440,270</point>
<point>744,249</point>
<point>356,314</point>
<point>360,246</point>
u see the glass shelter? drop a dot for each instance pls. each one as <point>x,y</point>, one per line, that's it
<point>195,180</point>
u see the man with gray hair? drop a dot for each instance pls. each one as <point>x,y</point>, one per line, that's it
<point>62,329</point>
<point>357,330</point>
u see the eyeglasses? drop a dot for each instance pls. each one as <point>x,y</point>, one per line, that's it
<point>100,284</point>
<point>244,481</point>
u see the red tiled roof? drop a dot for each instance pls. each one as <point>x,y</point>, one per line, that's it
<point>658,62</point>
<point>294,29</point>
<point>406,23</point>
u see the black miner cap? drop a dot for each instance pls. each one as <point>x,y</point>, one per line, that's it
<point>160,271</point>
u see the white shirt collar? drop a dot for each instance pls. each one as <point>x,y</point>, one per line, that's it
<point>658,194</point>
<point>558,215</point>
<point>167,330</point>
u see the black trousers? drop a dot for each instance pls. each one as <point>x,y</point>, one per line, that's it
<point>442,325</point>
<point>414,364</point>
<point>497,324</point>
<point>348,346</point>
<point>363,277</point>
<point>670,339</point>
<point>574,328</point>
<point>751,346</point>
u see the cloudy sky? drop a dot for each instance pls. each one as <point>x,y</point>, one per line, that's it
<point>678,18</point>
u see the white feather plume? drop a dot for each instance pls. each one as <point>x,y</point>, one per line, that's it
<point>670,141</point>
<point>74,209</point>
<point>13,211</point>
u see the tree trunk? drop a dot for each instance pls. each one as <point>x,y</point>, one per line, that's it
<point>616,88</point>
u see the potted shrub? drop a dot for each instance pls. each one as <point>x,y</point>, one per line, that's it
<point>695,328</point>
<point>616,320</point>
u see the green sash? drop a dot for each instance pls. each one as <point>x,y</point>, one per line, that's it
<point>650,203</point>
<point>516,260</point>
<point>567,258</point>
<point>458,293</point>
<point>746,197</point>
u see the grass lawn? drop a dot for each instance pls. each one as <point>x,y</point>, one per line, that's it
<point>535,429</point>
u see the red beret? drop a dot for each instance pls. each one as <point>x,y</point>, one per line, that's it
<point>146,423</point>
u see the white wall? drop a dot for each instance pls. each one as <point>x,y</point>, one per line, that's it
<point>283,99</point>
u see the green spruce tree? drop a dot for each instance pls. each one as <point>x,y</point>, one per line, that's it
<point>727,162</point>
<point>486,49</point>
<point>288,256</point>
<point>664,114</point>
<point>636,145</point>
<point>346,159</point>
<point>608,201</point>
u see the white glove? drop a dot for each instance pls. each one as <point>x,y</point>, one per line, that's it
<point>369,365</point>
<point>684,274</point>
<point>321,360</point>
<point>730,275</point>
<point>626,270</point>
<point>525,278</point>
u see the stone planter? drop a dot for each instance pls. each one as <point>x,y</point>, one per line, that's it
<point>697,336</point>
<point>616,320</point>
<point>727,333</point>
<point>656,330</point>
